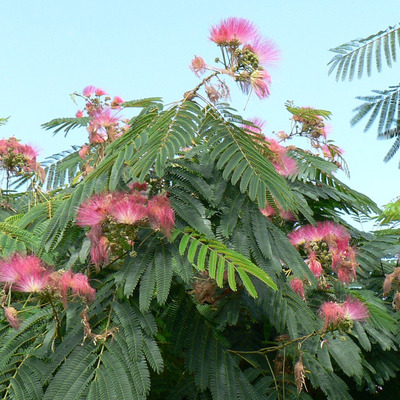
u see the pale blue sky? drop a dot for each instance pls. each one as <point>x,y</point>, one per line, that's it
<point>138,49</point>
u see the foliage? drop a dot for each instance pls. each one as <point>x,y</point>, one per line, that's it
<point>383,106</point>
<point>222,304</point>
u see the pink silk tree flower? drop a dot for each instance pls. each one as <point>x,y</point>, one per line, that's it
<point>326,230</point>
<point>88,91</point>
<point>63,285</point>
<point>285,166</point>
<point>80,287</point>
<point>298,286</point>
<point>116,102</point>
<point>344,275</point>
<point>161,214</point>
<point>78,284</point>
<point>265,51</point>
<point>34,282</point>
<point>100,92</point>
<point>332,313</point>
<point>198,65</point>
<point>314,265</point>
<point>19,265</point>
<point>104,118</point>
<point>9,271</point>
<point>79,114</point>
<point>99,251</point>
<point>12,317</point>
<point>94,210</point>
<point>268,211</point>
<point>306,233</point>
<point>355,309</point>
<point>84,151</point>
<point>129,209</point>
<point>233,31</point>
<point>260,81</point>
<point>100,245</point>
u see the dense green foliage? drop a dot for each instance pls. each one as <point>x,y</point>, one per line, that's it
<point>206,310</point>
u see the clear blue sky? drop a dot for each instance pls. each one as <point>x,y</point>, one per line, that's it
<point>138,49</point>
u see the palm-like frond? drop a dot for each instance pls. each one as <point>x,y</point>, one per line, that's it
<point>220,261</point>
<point>384,105</point>
<point>359,54</point>
<point>65,124</point>
<point>62,168</point>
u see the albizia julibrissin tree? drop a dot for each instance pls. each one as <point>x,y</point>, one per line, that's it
<point>182,254</point>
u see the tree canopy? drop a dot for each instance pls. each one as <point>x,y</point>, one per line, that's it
<point>182,254</point>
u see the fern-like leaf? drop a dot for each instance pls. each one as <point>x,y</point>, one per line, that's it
<point>356,53</point>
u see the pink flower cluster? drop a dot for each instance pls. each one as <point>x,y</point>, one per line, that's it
<point>104,123</point>
<point>283,164</point>
<point>298,286</point>
<point>18,158</point>
<point>135,208</point>
<point>27,274</point>
<point>249,51</point>
<point>307,123</point>
<point>327,244</point>
<point>246,54</point>
<point>343,314</point>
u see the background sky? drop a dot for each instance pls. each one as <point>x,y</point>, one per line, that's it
<point>138,49</point>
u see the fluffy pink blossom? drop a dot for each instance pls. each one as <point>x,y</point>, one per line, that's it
<point>78,284</point>
<point>100,92</point>
<point>129,209</point>
<point>298,286</point>
<point>99,251</point>
<point>198,65</point>
<point>12,317</point>
<point>104,118</point>
<point>79,114</point>
<point>333,233</point>
<point>355,309</point>
<point>285,166</point>
<point>116,102</point>
<point>336,313</point>
<point>88,91</point>
<point>314,265</point>
<point>161,214</point>
<point>9,269</point>
<point>20,266</point>
<point>325,230</point>
<point>332,313</point>
<point>94,210</point>
<point>34,282</point>
<point>268,211</point>
<point>80,287</point>
<point>265,50</point>
<point>84,151</point>
<point>233,31</point>
<point>103,126</point>
<point>100,245</point>
<point>17,157</point>
<point>260,81</point>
